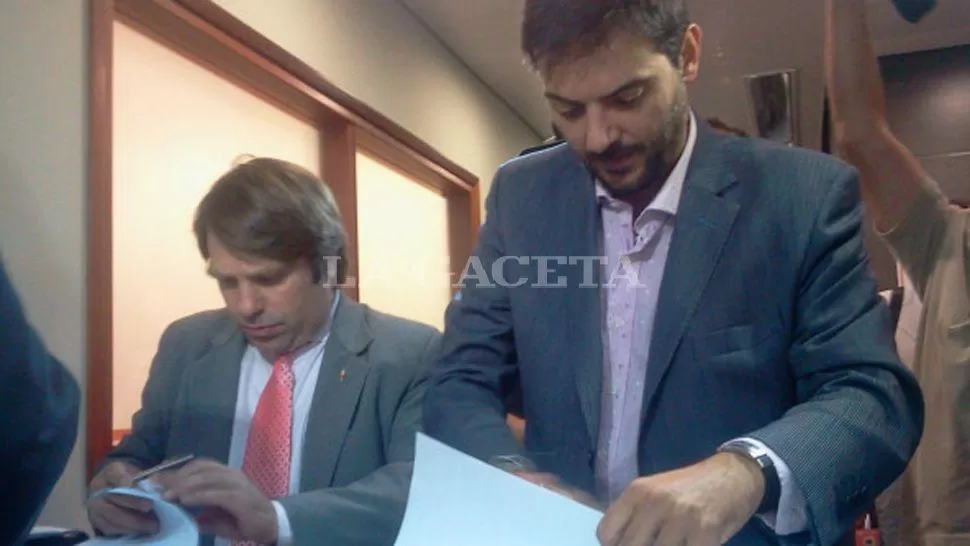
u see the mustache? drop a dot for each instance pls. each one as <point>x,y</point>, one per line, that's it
<point>260,322</point>
<point>617,151</point>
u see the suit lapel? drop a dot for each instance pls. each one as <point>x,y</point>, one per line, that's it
<point>215,384</point>
<point>577,227</point>
<point>342,376</point>
<point>702,226</point>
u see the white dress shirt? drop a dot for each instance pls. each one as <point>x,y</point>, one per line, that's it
<point>253,377</point>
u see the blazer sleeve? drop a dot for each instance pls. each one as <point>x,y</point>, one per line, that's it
<point>465,406</point>
<point>860,412</point>
<point>369,511</point>
<point>39,402</point>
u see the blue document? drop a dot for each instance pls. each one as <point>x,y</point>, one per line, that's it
<point>458,500</point>
<point>175,526</point>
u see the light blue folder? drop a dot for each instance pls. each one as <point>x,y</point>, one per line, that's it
<point>457,500</point>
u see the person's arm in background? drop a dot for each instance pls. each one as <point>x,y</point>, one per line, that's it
<point>895,187</point>
<point>39,404</point>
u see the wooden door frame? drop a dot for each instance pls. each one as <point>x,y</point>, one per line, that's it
<point>209,35</point>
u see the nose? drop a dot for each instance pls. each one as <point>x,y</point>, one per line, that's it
<point>249,301</point>
<point>599,130</point>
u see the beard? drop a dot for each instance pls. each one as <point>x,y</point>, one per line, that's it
<point>661,152</point>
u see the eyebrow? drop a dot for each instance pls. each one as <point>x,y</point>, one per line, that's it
<point>639,82</point>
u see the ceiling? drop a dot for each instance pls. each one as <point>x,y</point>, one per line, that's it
<point>740,37</point>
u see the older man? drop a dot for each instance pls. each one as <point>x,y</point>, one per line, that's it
<point>300,405</point>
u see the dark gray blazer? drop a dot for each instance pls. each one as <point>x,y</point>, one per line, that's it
<point>39,407</point>
<point>768,325</point>
<point>359,442</point>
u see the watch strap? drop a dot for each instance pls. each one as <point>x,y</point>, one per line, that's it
<point>772,492</point>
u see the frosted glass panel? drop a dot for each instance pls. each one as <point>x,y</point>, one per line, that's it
<point>177,128</point>
<point>402,232</point>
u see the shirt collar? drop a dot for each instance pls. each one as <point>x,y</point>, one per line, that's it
<point>324,332</point>
<point>668,198</point>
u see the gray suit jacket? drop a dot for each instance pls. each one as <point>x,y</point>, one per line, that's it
<point>360,438</point>
<point>768,325</point>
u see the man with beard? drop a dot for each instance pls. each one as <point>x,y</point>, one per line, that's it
<point>699,343</point>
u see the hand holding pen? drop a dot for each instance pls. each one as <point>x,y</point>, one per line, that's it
<point>114,515</point>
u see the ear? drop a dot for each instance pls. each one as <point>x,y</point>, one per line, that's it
<point>690,53</point>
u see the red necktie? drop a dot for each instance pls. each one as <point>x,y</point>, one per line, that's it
<point>267,459</point>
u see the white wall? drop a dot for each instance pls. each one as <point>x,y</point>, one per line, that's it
<point>378,52</point>
<point>402,244</point>
<point>372,48</point>
<point>43,130</point>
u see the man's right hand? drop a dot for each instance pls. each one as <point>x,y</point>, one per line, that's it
<point>119,514</point>
<point>553,483</point>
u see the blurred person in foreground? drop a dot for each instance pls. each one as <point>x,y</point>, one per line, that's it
<point>698,339</point>
<point>40,405</point>
<point>931,240</point>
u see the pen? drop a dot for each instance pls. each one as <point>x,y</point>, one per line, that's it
<point>164,465</point>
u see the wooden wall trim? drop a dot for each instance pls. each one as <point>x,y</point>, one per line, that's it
<point>413,165</point>
<point>169,23</point>
<point>344,104</point>
<point>463,221</point>
<point>339,170</point>
<point>99,393</point>
<point>118,435</point>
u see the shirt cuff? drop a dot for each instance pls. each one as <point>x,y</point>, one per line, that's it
<point>792,514</point>
<point>284,535</point>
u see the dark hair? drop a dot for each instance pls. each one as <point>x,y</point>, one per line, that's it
<point>553,30</point>
<point>275,210</point>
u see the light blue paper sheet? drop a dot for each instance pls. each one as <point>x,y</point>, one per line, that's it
<point>457,500</point>
<point>175,527</point>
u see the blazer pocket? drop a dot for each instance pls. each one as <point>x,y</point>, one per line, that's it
<point>723,342</point>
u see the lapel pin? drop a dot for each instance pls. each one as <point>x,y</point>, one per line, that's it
<point>343,375</point>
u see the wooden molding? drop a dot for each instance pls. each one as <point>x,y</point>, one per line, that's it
<point>99,396</point>
<point>210,36</point>
<point>339,101</point>
<point>340,173</point>
<point>118,435</point>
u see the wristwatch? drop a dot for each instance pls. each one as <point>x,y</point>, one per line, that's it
<point>758,454</point>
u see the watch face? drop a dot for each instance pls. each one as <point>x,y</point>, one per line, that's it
<point>764,461</point>
<point>752,451</point>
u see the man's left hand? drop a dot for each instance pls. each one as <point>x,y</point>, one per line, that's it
<point>231,506</point>
<point>701,505</point>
